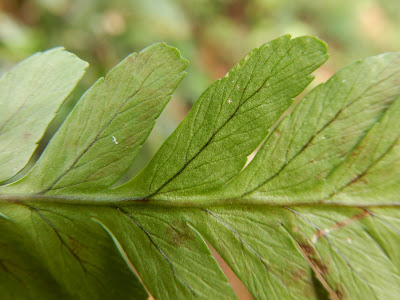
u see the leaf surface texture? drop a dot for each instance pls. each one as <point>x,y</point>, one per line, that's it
<point>315,214</point>
<point>30,95</point>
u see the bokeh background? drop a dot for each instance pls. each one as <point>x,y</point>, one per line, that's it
<point>212,34</point>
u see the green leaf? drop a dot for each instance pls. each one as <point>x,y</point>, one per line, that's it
<point>50,252</point>
<point>30,95</point>
<point>344,134</point>
<point>103,134</point>
<point>230,120</point>
<point>314,215</point>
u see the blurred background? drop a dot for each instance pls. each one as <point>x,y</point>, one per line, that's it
<point>212,34</point>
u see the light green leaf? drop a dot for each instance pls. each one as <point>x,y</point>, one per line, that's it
<point>337,139</point>
<point>282,252</point>
<point>314,215</point>
<point>230,120</point>
<point>103,134</point>
<point>168,252</point>
<point>30,95</point>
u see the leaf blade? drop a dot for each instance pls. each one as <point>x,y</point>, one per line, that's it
<point>119,112</point>
<point>211,145</point>
<point>74,257</point>
<point>304,152</point>
<point>168,253</point>
<point>44,81</point>
<point>284,247</point>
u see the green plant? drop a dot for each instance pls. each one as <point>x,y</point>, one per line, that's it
<point>315,213</point>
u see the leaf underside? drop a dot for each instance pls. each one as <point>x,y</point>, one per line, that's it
<point>315,214</point>
<point>30,95</point>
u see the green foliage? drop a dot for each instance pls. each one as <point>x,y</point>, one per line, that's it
<point>315,213</point>
<point>29,98</point>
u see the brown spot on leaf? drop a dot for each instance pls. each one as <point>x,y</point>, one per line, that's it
<point>339,291</point>
<point>319,233</point>
<point>97,175</point>
<point>359,216</point>
<point>27,135</point>
<point>359,178</point>
<point>143,200</point>
<point>298,274</point>
<point>311,254</point>
<point>323,269</point>
<point>308,249</point>
<point>318,267</point>
<point>179,233</point>
<point>74,245</point>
